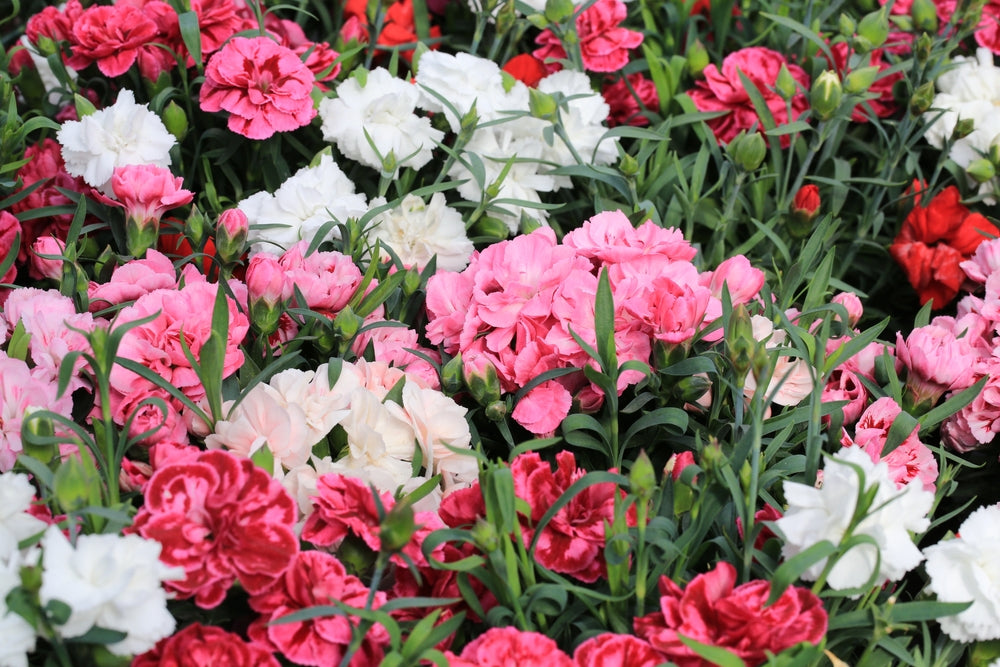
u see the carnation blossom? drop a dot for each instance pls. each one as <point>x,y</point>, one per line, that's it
<point>814,515</point>
<point>417,231</point>
<point>381,111</point>
<point>109,581</point>
<point>16,525</point>
<point>604,44</point>
<point>111,36</point>
<point>500,647</point>
<point>963,569</point>
<point>18,635</point>
<point>124,133</point>
<point>205,646</point>
<point>265,87</point>
<point>20,393</point>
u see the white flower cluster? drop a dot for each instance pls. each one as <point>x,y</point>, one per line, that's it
<point>968,91</point>
<point>304,203</point>
<point>814,515</point>
<point>297,409</point>
<point>967,569</point>
<point>506,135</point>
<point>109,581</point>
<point>122,134</point>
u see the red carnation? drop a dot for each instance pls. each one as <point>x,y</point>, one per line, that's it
<point>220,518</point>
<point>199,645</point>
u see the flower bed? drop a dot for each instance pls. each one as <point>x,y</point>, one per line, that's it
<point>534,333</point>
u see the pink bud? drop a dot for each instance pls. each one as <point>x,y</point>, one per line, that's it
<point>49,266</point>
<point>234,221</point>
<point>265,279</point>
<point>852,303</point>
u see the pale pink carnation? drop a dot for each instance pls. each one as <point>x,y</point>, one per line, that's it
<point>543,408</point>
<point>610,237</point>
<point>20,393</point>
<point>984,261</point>
<point>265,87</point>
<point>133,279</point>
<point>327,280</point>
<point>936,361</point>
<point>742,281</point>
<point>147,191</point>
<point>977,424</point>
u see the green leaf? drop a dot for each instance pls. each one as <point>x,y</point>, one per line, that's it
<point>955,403</point>
<point>191,34</point>
<point>604,325</point>
<point>791,570</point>
<point>715,655</point>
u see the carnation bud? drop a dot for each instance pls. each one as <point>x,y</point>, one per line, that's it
<point>860,80</point>
<point>483,382</point>
<point>484,535</point>
<point>747,150</point>
<point>874,27</point>
<point>46,46</point>
<point>981,170</point>
<point>826,95</point>
<point>411,281</point>
<point>76,483</point>
<point>691,388</point>
<point>489,229</point>
<point>175,120</point>
<point>397,527</point>
<point>963,128</point>
<point>451,375</point>
<point>628,165</point>
<point>805,208</point>
<point>557,11</point>
<point>851,303</point>
<point>46,257</point>
<point>496,411</point>
<point>642,477</point>
<point>924,15</point>
<point>922,98</point>
<point>740,341</point>
<point>468,124</point>
<point>267,291</point>
<point>528,223</point>
<point>194,226</point>
<point>390,164</point>
<point>231,235</point>
<point>34,428</point>
<point>922,47</point>
<point>861,44</point>
<point>542,105</point>
<point>347,323</point>
<point>785,84</point>
<point>712,456</point>
<point>995,151</point>
<point>506,18</point>
<point>846,25</point>
<point>84,107</point>
<point>697,58</point>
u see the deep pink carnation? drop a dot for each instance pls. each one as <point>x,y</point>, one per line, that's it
<point>628,97</point>
<point>604,44</point>
<point>723,90</point>
<point>316,578</point>
<point>264,86</point>
<point>711,611</point>
<point>502,647</point>
<point>221,518</point>
<point>611,650</point>
<point>111,36</point>
<point>200,645</point>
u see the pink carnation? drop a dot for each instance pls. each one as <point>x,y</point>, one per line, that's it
<point>19,392</point>
<point>220,518</point>
<point>132,280</point>
<point>147,191</point>
<point>265,87</point>
<point>628,98</point>
<point>935,361</point>
<point>604,44</point>
<point>316,578</point>
<point>611,650</point>
<point>911,459</point>
<point>723,90</point>
<point>198,645</point>
<point>327,280</point>
<point>111,36</point>
<point>501,647</point>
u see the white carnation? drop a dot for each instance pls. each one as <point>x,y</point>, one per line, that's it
<point>440,426</point>
<point>16,525</point>
<point>304,203</point>
<point>384,108</point>
<point>463,80</point>
<point>583,114</point>
<point>966,569</point>
<point>109,581</point>
<point>121,134</point>
<point>969,91</point>
<point>18,635</point>
<point>380,440</point>
<point>417,231</point>
<point>814,515</point>
<point>495,146</point>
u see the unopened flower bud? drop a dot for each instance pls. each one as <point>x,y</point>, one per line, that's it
<point>267,291</point>
<point>691,388</point>
<point>482,380</point>
<point>84,107</point>
<point>76,484</point>
<point>860,80</point>
<point>484,535</point>
<point>194,226</point>
<point>46,257</point>
<point>747,150</point>
<point>411,281</point>
<point>785,84</point>
<point>390,164</point>
<point>628,165</point>
<point>175,120</point>
<point>963,128</point>
<point>642,477</point>
<point>995,151</point>
<point>981,170</point>
<point>557,11</point>
<point>496,411</point>
<point>506,18</point>
<point>33,430</point>
<point>451,375</point>
<point>924,15</point>
<point>922,47</point>
<point>231,235</point>
<point>826,95</point>
<point>489,229</point>
<point>468,124</point>
<point>805,208</point>
<point>542,105</point>
<point>846,25</point>
<point>697,58</point>
<point>347,323</point>
<point>874,27</point>
<point>740,342</point>
<point>397,527</point>
<point>922,98</point>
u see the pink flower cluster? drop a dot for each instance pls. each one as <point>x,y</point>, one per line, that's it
<point>519,302</point>
<point>604,44</point>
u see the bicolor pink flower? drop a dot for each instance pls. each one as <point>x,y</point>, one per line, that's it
<point>222,519</point>
<point>316,578</point>
<point>265,87</point>
<point>111,36</point>
<point>198,645</point>
<point>604,44</point>
<point>500,647</point>
<point>613,650</point>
